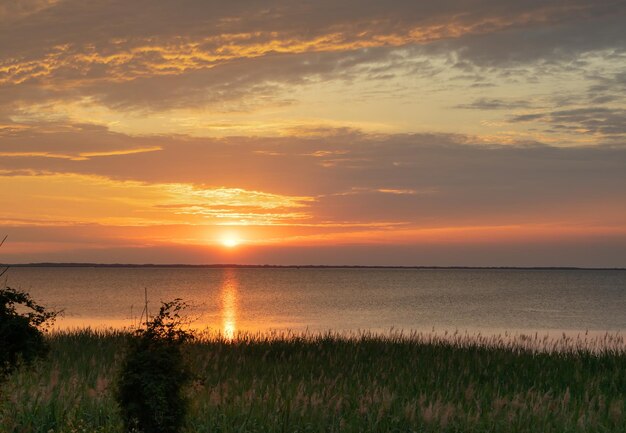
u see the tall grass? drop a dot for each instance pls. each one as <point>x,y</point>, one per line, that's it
<point>338,383</point>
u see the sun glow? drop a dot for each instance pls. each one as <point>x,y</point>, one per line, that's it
<point>230,241</point>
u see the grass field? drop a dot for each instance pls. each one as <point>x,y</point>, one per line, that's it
<point>325,383</point>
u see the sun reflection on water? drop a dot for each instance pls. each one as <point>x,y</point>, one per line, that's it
<point>229,303</point>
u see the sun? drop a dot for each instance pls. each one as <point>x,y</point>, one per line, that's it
<point>230,241</point>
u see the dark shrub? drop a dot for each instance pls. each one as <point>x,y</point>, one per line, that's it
<point>150,387</point>
<point>21,338</point>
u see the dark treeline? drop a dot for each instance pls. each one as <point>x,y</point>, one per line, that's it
<point>267,266</point>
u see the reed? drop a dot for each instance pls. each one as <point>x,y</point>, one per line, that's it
<point>286,382</point>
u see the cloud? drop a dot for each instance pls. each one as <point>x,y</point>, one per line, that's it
<point>108,24</point>
<point>494,104</point>
<point>607,89</point>
<point>609,122</point>
<point>339,187</point>
<point>14,10</point>
<point>198,52</point>
<point>560,44</point>
<point>351,177</point>
<point>79,156</point>
<point>78,199</point>
<point>68,141</point>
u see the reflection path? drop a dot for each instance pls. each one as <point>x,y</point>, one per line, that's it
<point>229,298</point>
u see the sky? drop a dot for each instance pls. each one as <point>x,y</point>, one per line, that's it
<point>353,132</point>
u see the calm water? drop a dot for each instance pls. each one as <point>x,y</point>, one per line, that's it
<point>338,299</point>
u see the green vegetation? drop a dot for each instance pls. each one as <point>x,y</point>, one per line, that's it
<point>21,323</point>
<point>153,374</point>
<point>21,338</point>
<point>290,383</point>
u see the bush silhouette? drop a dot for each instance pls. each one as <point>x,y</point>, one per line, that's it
<point>21,337</point>
<point>150,386</point>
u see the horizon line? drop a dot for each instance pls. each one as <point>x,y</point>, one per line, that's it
<point>310,266</point>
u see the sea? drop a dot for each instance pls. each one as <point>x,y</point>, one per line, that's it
<point>233,300</point>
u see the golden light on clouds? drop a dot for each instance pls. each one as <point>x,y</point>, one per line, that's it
<point>177,56</point>
<point>81,156</point>
<point>87,199</point>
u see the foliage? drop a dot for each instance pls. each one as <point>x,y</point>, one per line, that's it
<point>153,374</point>
<point>333,383</point>
<point>21,320</point>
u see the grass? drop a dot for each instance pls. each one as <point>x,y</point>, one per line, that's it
<point>330,383</point>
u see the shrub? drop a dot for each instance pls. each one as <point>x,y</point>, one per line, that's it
<point>150,386</point>
<point>21,323</point>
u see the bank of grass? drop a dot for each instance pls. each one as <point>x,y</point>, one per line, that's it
<point>329,383</point>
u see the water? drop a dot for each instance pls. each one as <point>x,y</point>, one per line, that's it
<point>236,299</point>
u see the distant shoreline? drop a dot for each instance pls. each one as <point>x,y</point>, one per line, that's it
<point>232,265</point>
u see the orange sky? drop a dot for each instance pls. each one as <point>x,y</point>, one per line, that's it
<point>449,133</point>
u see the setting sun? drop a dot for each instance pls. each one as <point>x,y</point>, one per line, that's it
<point>230,241</point>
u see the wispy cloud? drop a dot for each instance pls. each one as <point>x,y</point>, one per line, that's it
<point>610,122</point>
<point>495,104</point>
<point>424,179</point>
<point>96,50</point>
<point>81,156</point>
